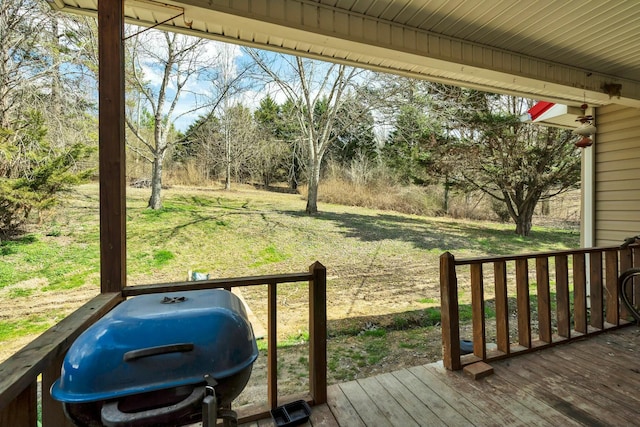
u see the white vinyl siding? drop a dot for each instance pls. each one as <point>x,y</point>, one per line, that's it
<point>617,174</point>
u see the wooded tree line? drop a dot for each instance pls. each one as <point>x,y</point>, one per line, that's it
<point>261,117</point>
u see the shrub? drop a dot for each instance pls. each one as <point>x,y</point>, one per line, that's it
<point>32,172</point>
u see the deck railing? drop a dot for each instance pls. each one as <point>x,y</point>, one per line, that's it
<point>19,401</point>
<point>522,303</point>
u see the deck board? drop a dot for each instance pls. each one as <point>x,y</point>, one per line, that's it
<point>501,403</point>
<point>368,410</point>
<point>440,407</point>
<point>590,382</point>
<point>412,404</point>
<point>385,399</point>
<point>558,394</point>
<point>462,396</point>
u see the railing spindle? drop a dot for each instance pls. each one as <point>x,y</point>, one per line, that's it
<point>602,292</point>
<point>626,261</point>
<point>502,306</point>
<point>477,309</point>
<point>595,287</point>
<point>52,412</point>
<point>635,250</point>
<point>23,410</point>
<point>522,295</point>
<point>611,287</point>
<point>562,296</point>
<point>544,300</point>
<point>579,294</point>
<point>272,344</point>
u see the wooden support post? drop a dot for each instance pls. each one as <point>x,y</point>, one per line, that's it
<point>449,313</point>
<point>318,333</point>
<point>113,254</point>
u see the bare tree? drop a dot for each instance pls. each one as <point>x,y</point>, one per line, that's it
<point>161,66</point>
<point>37,158</point>
<point>317,90</point>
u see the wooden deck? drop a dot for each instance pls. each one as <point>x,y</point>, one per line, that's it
<point>593,382</point>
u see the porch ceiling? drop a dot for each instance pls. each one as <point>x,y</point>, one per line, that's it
<point>561,51</point>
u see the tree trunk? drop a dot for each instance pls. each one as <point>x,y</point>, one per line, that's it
<point>524,219</point>
<point>314,181</point>
<point>447,186</point>
<point>227,179</point>
<point>4,98</point>
<point>57,72</point>
<point>293,173</point>
<point>155,201</point>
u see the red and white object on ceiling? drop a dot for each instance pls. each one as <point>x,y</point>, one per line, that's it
<point>564,116</point>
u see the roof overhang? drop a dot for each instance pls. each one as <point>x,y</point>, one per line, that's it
<point>378,40</point>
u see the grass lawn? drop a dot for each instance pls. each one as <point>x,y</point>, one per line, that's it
<point>382,266</point>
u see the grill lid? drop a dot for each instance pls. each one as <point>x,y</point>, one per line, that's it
<point>155,342</point>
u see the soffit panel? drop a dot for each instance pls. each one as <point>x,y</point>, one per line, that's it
<point>499,45</point>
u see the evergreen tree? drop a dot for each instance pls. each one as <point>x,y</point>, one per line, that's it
<point>518,164</point>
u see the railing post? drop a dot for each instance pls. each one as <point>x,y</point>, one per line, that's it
<point>318,333</point>
<point>449,313</point>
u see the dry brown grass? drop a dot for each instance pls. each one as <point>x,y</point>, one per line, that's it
<point>406,199</point>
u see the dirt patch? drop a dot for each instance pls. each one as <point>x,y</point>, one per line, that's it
<point>37,305</point>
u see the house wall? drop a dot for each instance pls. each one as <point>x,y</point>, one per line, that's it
<point>617,174</point>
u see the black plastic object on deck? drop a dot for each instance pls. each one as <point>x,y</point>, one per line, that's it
<point>291,414</point>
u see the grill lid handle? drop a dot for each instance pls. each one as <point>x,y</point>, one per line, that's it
<point>112,416</point>
<point>154,351</point>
